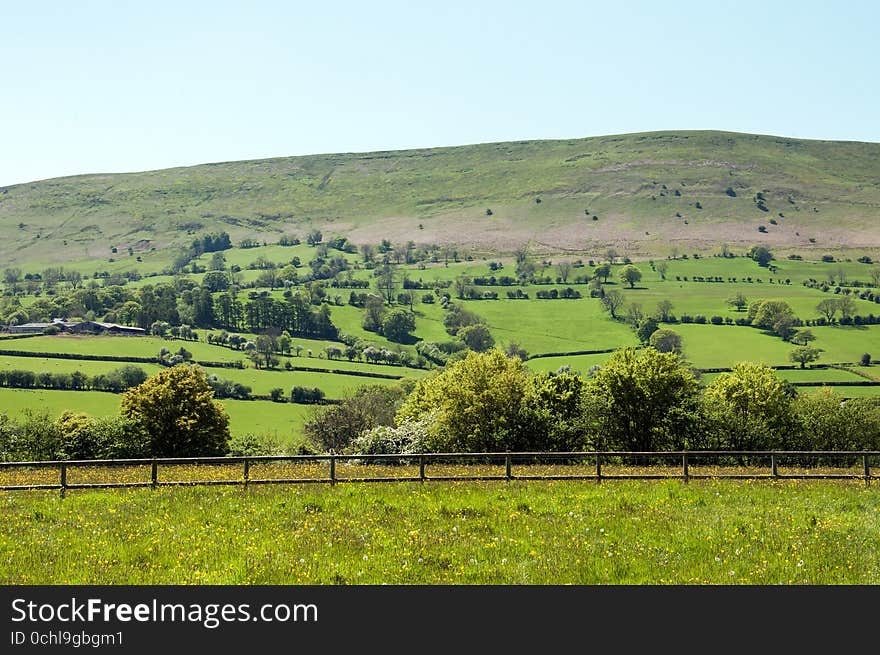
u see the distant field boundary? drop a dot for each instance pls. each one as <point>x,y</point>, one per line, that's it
<point>572,353</point>
<point>154,360</point>
<point>131,359</point>
<point>677,467</point>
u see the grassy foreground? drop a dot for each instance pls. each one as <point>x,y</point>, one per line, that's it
<point>711,532</point>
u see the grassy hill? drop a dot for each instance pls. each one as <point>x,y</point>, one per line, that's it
<point>648,193</point>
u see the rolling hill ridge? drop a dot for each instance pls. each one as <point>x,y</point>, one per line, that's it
<point>644,193</point>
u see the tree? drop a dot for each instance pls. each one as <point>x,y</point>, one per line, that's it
<point>175,407</point>
<point>513,349</point>
<point>738,300</point>
<point>661,267</point>
<point>630,274</point>
<point>611,255</point>
<point>314,237</point>
<point>613,300</point>
<point>866,359</point>
<point>398,325</point>
<point>644,401</point>
<point>564,269</point>
<point>333,427</point>
<point>803,337</point>
<point>846,306</point>
<point>664,311</point>
<point>634,315</point>
<point>875,277</point>
<point>646,328</point>
<point>476,337</point>
<point>374,312</point>
<point>827,308</point>
<point>476,403</point>
<point>751,408</point>
<point>666,341</point>
<point>804,355</point>
<point>761,254</point>
<point>603,271</point>
<point>765,314</point>
<point>266,346</point>
<point>215,280</point>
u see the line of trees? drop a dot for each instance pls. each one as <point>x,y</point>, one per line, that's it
<point>642,400</point>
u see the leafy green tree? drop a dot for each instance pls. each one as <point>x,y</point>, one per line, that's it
<point>630,275</point>
<point>374,313</point>
<point>477,337</point>
<point>398,325</point>
<point>644,401</point>
<point>603,271</point>
<point>751,408</point>
<point>661,267</point>
<point>761,254</point>
<point>646,328</point>
<point>266,345</point>
<point>803,337</point>
<point>215,280</point>
<point>613,300</point>
<point>175,407</point>
<point>666,341</point>
<point>827,422</point>
<point>477,401</point>
<point>804,355</point>
<point>827,308</point>
<point>555,414</point>
<point>766,314</point>
<point>664,311</point>
<point>334,427</point>
<point>738,300</point>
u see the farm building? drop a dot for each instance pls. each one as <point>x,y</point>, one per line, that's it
<point>76,327</point>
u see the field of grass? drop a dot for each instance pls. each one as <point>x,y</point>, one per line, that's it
<point>50,365</point>
<point>258,416</point>
<point>542,326</point>
<point>708,532</point>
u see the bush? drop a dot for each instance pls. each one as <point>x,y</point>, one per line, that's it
<point>177,410</point>
<point>866,359</point>
<point>250,444</point>
<point>407,438</point>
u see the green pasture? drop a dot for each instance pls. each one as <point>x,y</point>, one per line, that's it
<point>624,532</point>
<point>257,416</point>
<point>52,365</point>
<point>262,381</point>
<point>578,363</point>
<point>542,326</point>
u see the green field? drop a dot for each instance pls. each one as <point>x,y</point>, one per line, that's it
<point>710,532</point>
<point>256,416</point>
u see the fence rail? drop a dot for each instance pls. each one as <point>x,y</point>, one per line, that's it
<point>499,466</point>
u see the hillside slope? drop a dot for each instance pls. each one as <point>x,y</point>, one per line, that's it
<point>648,192</point>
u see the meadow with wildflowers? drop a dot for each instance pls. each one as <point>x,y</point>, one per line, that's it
<point>620,532</point>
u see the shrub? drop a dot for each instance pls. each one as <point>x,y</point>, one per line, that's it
<point>176,408</point>
<point>866,359</point>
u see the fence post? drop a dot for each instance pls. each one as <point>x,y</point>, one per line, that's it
<point>867,468</point>
<point>507,466</point>
<point>63,479</point>
<point>154,474</point>
<point>685,472</point>
<point>773,465</point>
<point>598,468</point>
<point>247,472</point>
<point>422,469</point>
<point>332,468</point>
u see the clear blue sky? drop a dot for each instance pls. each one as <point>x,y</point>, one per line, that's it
<point>112,86</point>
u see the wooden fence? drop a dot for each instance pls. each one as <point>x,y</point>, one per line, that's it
<point>333,468</point>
